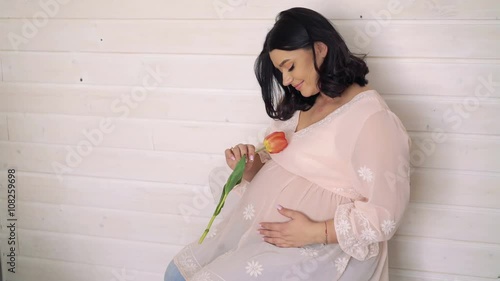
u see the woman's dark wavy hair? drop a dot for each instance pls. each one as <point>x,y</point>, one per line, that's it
<point>299,28</point>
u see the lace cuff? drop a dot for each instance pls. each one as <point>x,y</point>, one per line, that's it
<point>347,222</point>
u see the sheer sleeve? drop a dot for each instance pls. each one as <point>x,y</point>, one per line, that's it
<point>380,172</point>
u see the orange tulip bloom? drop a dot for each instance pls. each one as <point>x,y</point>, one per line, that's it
<point>275,142</point>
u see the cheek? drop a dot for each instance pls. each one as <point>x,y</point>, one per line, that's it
<point>312,78</point>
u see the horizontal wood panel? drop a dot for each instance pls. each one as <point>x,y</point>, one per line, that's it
<point>455,152</point>
<point>407,76</point>
<point>50,270</point>
<point>453,223</point>
<point>117,224</point>
<point>444,256</point>
<point>141,196</point>
<point>134,133</point>
<point>469,115</point>
<point>164,103</point>
<point>411,275</point>
<point>149,257</point>
<point>455,188</point>
<point>57,129</point>
<point>250,9</point>
<point>157,166</point>
<point>478,40</point>
<point>179,71</point>
<point>425,77</point>
<point>4,134</point>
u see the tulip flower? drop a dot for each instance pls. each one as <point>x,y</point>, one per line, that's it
<point>273,143</point>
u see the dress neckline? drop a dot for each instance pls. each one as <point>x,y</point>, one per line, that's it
<point>330,115</point>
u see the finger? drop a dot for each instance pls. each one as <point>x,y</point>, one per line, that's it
<point>276,241</point>
<point>251,152</point>
<point>229,154</point>
<point>236,152</point>
<point>275,226</point>
<point>287,212</point>
<point>243,151</point>
<point>270,233</point>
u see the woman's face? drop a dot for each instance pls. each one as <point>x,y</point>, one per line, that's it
<point>297,68</point>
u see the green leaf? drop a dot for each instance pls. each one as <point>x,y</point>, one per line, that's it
<point>234,179</point>
<point>236,175</point>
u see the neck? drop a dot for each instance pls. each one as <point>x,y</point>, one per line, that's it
<point>324,99</point>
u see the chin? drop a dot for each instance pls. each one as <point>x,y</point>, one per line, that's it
<point>307,94</point>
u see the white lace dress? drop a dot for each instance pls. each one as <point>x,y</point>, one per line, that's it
<point>352,167</point>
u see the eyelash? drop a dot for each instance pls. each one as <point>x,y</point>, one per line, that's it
<point>291,68</point>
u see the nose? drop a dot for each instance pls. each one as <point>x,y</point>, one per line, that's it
<point>287,79</point>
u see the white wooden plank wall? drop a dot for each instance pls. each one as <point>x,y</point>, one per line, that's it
<point>117,214</point>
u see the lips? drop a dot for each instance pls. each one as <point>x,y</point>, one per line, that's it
<point>298,86</point>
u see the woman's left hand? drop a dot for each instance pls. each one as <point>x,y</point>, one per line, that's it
<point>297,232</point>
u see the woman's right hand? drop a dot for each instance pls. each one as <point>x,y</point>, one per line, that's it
<point>234,154</point>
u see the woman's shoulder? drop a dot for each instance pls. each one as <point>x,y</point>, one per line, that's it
<point>374,110</point>
<point>365,104</point>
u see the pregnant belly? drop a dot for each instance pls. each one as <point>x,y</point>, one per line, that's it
<point>274,185</point>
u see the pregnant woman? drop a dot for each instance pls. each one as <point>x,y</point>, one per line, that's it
<point>325,207</point>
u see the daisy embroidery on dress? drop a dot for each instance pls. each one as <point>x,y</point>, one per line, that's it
<point>341,263</point>
<point>388,226</point>
<point>254,268</point>
<point>249,212</point>
<point>308,252</point>
<point>369,235</point>
<point>365,173</point>
<point>343,227</point>
<point>187,263</point>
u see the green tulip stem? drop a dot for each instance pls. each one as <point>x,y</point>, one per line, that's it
<point>217,211</point>
<point>234,178</point>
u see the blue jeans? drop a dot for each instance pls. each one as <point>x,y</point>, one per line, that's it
<point>172,273</point>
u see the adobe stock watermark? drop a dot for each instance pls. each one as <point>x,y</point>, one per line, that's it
<point>122,107</point>
<point>441,10</point>
<point>382,19</point>
<point>203,198</point>
<point>48,9</point>
<point>123,275</point>
<point>454,117</point>
<point>217,179</point>
<point>307,267</point>
<point>223,6</point>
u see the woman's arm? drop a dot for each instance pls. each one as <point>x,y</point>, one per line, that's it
<point>380,172</point>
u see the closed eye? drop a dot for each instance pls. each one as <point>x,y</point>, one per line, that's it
<point>291,68</point>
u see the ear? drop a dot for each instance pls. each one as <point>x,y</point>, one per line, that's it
<point>321,49</point>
